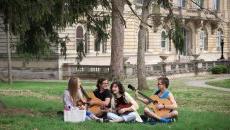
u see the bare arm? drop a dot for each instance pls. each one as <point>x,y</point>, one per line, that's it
<point>134,106</point>
<point>144,100</point>
<point>106,102</point>
<point>173,101</point>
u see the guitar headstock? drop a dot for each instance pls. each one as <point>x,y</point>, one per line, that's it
<point>131,87</point>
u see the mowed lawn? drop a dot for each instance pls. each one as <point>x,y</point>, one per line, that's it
<point>220,83</point>
<point>33,106</point>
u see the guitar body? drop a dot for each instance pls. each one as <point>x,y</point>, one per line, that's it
<point>154,100</point>
<point>121,106</point>
<point>124,106</point>
<point>96,108</point>
<point>152,106</point>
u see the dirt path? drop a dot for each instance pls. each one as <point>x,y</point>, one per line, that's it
<point>202,82</point>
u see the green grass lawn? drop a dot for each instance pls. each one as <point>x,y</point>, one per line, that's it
<point>220,83</point>
<point>199,108</point>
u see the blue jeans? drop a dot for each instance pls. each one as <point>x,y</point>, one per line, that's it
<point>88,115</point>
<point>126,117</point>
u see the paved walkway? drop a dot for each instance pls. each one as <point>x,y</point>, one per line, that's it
<point>202,82</point>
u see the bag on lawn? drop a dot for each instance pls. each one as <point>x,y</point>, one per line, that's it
<point>74,115</point>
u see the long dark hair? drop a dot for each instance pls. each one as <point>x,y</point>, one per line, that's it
<point>120,86</point>
<point>99,82</point>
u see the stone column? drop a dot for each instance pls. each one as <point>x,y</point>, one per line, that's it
<point>163,65</point>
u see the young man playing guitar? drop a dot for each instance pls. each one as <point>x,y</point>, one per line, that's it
<point>162,93</point>
<point>103,93</point>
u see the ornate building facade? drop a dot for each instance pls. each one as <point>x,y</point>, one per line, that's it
<point>203,30</point>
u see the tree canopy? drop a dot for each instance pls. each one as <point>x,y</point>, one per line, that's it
<point>36,22</point>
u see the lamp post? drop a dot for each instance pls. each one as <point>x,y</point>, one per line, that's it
<point>222,48</point>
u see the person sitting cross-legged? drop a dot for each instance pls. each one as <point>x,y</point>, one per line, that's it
<point>123,106</point>
<point>162,93</point>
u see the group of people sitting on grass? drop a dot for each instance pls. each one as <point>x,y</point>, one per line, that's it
<point>116,105</point>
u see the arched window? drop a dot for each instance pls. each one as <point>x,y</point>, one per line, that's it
<point>164,40</point>
<point>79,35</point>
<point>203,40</point>
<point>219,35</point>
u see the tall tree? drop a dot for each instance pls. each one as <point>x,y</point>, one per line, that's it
<point>143,28</point>
<point>9,56</point>
<point>117,43</point>
<point>36,23</point>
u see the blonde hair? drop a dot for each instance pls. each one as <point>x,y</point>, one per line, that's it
<point>73,85</point>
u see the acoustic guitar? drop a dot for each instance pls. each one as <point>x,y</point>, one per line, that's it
<point>153,101</point>
<point>95,108</point>
<point>121,106</point>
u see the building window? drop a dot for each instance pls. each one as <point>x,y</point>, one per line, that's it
<point>164,40</point>
<point>216,4</point>
<point>79,36</point>
<point>104,46</point>
<point>96,44</point>
<point>203,40</point>
<point>181,3</point>
<point>100,46</point>
<point>218,39</point>
<point>198,4</point>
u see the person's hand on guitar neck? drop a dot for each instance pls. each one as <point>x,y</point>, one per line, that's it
<point>145,101</point>
<point>91,102</point>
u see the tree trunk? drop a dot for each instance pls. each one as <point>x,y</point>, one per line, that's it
<point>117,43</point>
<point>142,83</point>
<point>9,56</point>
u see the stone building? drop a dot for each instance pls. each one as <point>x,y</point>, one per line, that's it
<point>203,30</point>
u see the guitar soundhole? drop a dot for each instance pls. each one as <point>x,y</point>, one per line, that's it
<point>155,102</point>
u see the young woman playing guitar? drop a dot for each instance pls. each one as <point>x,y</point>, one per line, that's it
<point>73,97</point>
<point>123,106</point>
<point>162,93</point>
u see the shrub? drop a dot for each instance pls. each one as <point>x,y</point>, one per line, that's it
<point>219,69</point>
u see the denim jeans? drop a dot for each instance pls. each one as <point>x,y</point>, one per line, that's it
<point>126,117</point>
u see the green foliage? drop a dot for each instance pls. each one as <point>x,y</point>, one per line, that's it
<point>177,35</point>
<point>219,69</point>
<point>36,23</point>
<point>80,51</point>
<point>176,32</point>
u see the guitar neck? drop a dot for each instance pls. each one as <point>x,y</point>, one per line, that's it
<point>84,92</point>
<point>150,100</point>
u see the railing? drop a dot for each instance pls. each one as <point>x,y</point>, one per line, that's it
<point>85,71</point>
<point>94,71</point>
